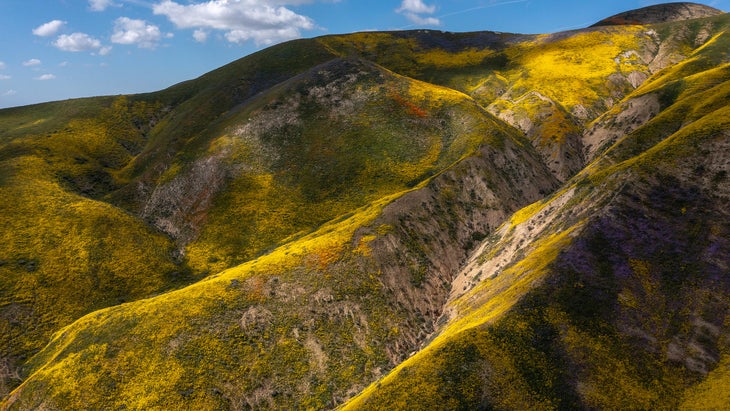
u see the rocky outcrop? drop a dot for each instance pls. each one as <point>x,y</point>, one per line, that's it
<point>179,207</point>
<point>619,122</point>
<point>553,132</point>
<point>432,231</point>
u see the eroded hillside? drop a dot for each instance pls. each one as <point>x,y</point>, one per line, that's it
<point>349,226</point>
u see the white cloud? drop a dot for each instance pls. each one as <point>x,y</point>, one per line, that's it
<point>77,42</point>
<point>63,64</point>
<point>100,5</point>
<point>422,21</point>
<point>32,62</point>
<point>414,10</point>
<point>131,31</point>
<point>45,77</point>
<point>10,93</point>
<point>264,22</point>
<point>201,36</point>
<point>105,50</point>
<point>4,77</point>
<point>2,65</point>
<point>49,29</point>
<point>415,6</point>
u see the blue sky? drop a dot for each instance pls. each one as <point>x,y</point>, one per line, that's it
<point>59,49</point>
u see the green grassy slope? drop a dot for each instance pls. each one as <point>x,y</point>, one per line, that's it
<point>315,147</point>
<point>306,325</point>
<point>626,308</point>
<point>547,86</point>
<point>63,253</point>
<point>620,301</point>
<point>195,105</point>
<point>73,175</point>
<point>331,140</point>
<point>339,200</point>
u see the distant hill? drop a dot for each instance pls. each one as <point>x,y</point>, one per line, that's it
<point>661,13</point>
<point>382,220</point>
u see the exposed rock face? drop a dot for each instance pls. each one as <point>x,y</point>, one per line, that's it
<point>178,207</point>
<point>435,229</point>
<point>553,132</point>
<point>661,13</point>
<point>630,115</point>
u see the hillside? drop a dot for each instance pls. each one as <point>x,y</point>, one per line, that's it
<point>661,13</point>
<point>382,220</point>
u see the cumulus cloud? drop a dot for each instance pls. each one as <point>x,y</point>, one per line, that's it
<point>100,5</point>
<point>45,77</point>
<point>417,12</point>
<point>49,29</point>
<point>4,77</point>
<point>2,65</point>
<point>31,62</point>
<point>416,6</point>
<point>10,93</point>
<point>77,42</point>
<point>264,22</point>
<point>422,21</point>
<point>200,35</point>
<point>131,31</point>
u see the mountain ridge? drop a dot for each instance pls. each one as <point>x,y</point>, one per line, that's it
<point>661,13</point>
<point>350,230</point>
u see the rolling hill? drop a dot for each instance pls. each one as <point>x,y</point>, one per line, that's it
<point>383,220</point>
